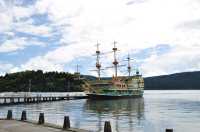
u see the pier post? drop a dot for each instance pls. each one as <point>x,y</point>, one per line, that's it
<point>68,97</point>
<point>66,123</point>
<point>169,130</point>
<point>107,127</point>
<point>23,117</point>
<point>4,100</point>
<point>33,99</point>
<point>9,115</point>
<point>41,118</point>
<point>37,99</point>
<point>28,99</point>
<point>18,99</point>
<point>11,100</point>
<point>25,99</point>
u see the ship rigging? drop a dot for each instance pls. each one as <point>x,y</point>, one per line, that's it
<point>115,62</point>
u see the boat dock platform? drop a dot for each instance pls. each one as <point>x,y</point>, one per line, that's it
<point>22,97</point>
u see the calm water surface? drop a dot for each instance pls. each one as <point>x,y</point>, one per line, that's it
<point>154,112</point>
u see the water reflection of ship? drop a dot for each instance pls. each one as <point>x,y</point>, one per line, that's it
<point>133,109</point>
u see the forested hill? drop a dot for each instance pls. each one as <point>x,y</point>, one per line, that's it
<point>178,81</point>
<point>40,82</point>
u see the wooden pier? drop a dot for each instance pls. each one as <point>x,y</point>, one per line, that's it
<point>20,98</point>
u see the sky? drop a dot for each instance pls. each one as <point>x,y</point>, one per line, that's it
<point>161,36</point>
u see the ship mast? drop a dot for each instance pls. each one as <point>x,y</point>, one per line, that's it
<point>129,65</point>
<point>77,69</point>
<point>115,62</point>
<point>77,73</point>
<point>98,65</point>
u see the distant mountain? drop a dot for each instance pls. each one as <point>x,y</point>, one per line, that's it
<point>178,81</point>
<point>88,77</point>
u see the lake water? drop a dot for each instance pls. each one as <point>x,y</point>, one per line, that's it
<point>155,112</point>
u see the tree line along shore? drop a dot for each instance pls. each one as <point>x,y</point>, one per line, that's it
<point>40,81</point>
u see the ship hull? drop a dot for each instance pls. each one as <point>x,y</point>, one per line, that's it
<point>104,96</point>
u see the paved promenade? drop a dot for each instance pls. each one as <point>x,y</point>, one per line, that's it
<point>19,126</point>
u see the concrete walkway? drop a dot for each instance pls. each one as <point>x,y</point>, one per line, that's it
<point>18,126</point>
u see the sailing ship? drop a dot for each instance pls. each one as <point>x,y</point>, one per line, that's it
<point>115,86</point>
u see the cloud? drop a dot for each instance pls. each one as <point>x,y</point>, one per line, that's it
<point>37,63</point>
<point>65,54</point>
<point>6,21</point>
<point>15,20</point>
<point>5,67</point>
<point>41,63</point>
<point>77,25</point>
<point>143,25</point>
<point>10,12</point>
<point>54,60</point>
<point>38,30</point>
<point>16,44</point>
<point>193,24</point>
<point>180,59</point>
<point>20,12</point>
<point>131,2</point>
<point>13,45</point>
